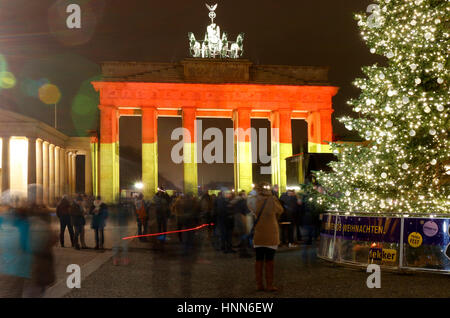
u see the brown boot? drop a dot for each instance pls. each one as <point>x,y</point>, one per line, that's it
<point>269,277</point>
<point>259,275</point>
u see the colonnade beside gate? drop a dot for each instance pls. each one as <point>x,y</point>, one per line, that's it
<point>36,168</point>
<point>319,133</point>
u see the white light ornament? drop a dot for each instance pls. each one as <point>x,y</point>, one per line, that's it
<point>214,44</point>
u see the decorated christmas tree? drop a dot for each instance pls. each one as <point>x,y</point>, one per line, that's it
<point>402,113</point>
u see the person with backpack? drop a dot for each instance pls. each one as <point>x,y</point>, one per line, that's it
<point>141,216</point>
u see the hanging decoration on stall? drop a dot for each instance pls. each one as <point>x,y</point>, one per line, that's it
<point>215,44</point>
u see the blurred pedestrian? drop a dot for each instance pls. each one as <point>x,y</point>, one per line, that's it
<point>225,220</point>
<point>99,212</point>
<point>121,215</point>
<point>161,204</point>
<point>15,249</point>
<point>307,211</point>
<point>77,216</point>
<point>191,216</point>
<point>177,210</point>
<point>241,211</point>
<point>63,213</point>
<point>42,240</point>
<point>206,207</point>
<point>266,235</point>
<point>287,219</point>
<point>142,216</point>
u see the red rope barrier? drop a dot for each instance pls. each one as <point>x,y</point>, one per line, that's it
<point>170,232</point>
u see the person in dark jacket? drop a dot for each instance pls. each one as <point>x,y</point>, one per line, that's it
<point>307,217</point>
<point>78,222</point>
<point>191,215</point>
<point>63,213</point>
<point>225,220</point>
<point>240,212</point>
<point>161,203</point>
<point>99,212</point>
<point>290,205</point>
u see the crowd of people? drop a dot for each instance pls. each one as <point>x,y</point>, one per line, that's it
<point>254,223</point>
<point>260,219</point>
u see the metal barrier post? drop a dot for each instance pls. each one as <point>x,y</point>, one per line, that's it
<point>402,229</point>
<point>334,238</point>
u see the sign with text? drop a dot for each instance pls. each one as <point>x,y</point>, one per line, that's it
<point>373,229</point>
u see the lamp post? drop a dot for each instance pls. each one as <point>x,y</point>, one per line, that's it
<point>56,116</point>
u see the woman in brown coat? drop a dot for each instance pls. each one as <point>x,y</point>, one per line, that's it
<point>266,238</point>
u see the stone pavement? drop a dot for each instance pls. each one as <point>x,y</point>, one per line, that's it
<point>89,259</point>
<point>165,273</point>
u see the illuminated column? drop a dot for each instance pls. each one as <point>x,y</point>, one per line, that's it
<point>39,175</point>
<point>149,151</point>
<point>57,171</point>
<point>45,173</point>
<point>32,170</point>
<point>281,146</point>
<point>88,173</point>
<point>190,150</point>
<point>62,177</point>
<point>94,164</point>
<point>69,173</point>
<point>5,163</point>
<point>109,154</point>
<point>18,166</point>
<point>243,177</point>
<point>74,173</point>
<point>51,173</point>
<point>320,131</point>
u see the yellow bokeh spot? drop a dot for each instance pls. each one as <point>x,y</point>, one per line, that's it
<point>7,80</point>
<point>49,94</point>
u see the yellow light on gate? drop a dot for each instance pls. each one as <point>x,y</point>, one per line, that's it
<point>18,165</point>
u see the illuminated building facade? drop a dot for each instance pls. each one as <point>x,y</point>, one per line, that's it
<point>33,153</point>
<point>199,88</point>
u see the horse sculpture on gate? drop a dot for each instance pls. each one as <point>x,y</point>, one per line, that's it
<point>214,45</point>
<point>237,48</point>
<point>196,47</point>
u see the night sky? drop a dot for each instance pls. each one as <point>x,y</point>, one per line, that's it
<point>39,49</point>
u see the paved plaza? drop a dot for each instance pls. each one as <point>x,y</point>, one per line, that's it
<point>158,271</point>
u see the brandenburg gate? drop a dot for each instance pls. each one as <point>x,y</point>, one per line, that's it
<point>215,82</point>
